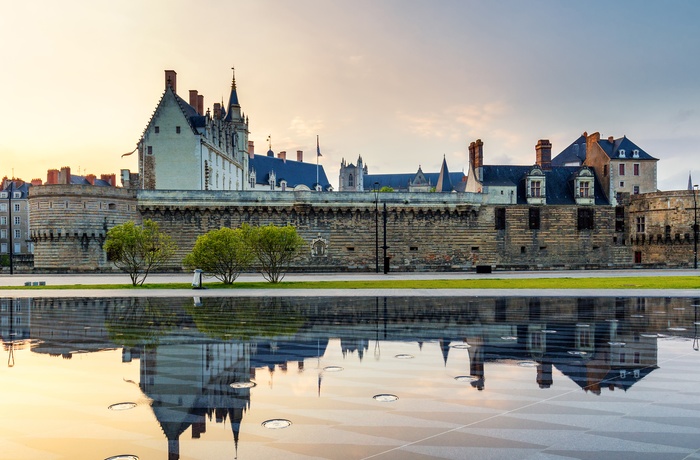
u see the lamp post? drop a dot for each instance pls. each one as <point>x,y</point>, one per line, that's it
<point>385,247</point>
<point>695,227</point>
<point>376,227</point>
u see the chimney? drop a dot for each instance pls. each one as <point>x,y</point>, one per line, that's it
<point>36,182</point>
<point>478,154</point>
<point>217,111</point>
<point>90,178</point>
<point>472,154</point>
<point>611,139</point>
<point>282,155</point>
<point>544,154</point>
<point>126,178</point>
<point>251,149</point>
<point>193,99</point>
<point>111,179</point>
<point>200,104</point>
<point>171,80</point>
<point>52,177</point>
<point>64,176</point>
<point>300,155</point>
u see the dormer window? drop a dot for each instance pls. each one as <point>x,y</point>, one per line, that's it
<point>535,187</point>
<point>635,153</point>
<point>17,195</point>
<point>584,192</point>
<point>622,153</point>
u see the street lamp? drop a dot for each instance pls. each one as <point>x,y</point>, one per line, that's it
<point>376,226</point>
<point>385,247</point>
<point>695,227</point>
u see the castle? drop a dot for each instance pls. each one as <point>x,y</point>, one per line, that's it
<point>199,172</point>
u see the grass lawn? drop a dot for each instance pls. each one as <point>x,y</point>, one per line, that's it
<point>646,282</point>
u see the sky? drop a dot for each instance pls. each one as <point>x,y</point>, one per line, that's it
<point>402,83</point>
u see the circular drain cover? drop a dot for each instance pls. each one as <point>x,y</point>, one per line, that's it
<point>332,368</point>
<point>122,406</point>
<point>385,398</point>
<point>466,378</point>
<point>243,385</point>
<point>404,356</point>
<point>276,423</point>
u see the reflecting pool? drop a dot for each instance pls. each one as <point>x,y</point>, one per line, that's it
<point>350,378</point>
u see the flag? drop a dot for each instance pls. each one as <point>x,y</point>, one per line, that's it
<point>318,149</point>
<point>127,154</point>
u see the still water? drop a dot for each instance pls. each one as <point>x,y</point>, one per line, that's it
<point>350,378</point>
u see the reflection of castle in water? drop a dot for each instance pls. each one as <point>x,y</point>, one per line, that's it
<point>190,355</point>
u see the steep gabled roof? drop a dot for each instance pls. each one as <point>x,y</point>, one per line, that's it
<point>558,183</point>
<point>294,172</point>
<point>444,184</point>
<point>402,180</point>
<point>194,120</point>
<point>612,150</point>
<point>574,153</point>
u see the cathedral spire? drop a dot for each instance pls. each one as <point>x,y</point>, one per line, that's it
<point>234,108</point>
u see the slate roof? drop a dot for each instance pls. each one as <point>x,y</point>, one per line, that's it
<point>81,180</point>
<point>23,189</point>
<point>401,181</point>
<point>444,184</point>
<point>294,172</point>
<point>559,187</point>
<point>576,152</point>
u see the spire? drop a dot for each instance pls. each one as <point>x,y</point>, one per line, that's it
<point>690,181</point>
<point>444,184</point>
<point>234,108</point>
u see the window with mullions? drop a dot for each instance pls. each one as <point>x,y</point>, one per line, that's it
<point>534,219</point>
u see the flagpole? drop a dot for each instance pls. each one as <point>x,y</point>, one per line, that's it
<point>318,154</point>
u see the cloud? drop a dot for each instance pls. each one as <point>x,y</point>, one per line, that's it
<point>305,128</point>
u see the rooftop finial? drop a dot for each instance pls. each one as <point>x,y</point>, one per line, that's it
<point>233,82</point>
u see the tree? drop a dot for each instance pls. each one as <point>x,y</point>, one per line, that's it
<point>224,253</point>
<point>138,249</point>
<point>386,188</point>
<point>275,248</point>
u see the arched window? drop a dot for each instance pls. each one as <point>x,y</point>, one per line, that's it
<point>351,180</point>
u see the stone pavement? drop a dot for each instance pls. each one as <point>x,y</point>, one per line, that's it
<point>118,278</point>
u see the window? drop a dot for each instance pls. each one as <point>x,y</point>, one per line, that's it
<point>620,219</point>
<point>585,219</point>
<point>18,233</point>
<point>534,218</point>
<point>500,218</point>
<point>636,169</point>
<point>177,129</point>
<point>18,220</point>
<point>157,129</point>
<point>640,225</point>
<point>17,195</point>
<point>622,169</point>
<point>18,248</point>
<point>3,248</point>
<point>16,206</point>
<point>622,153</point>
<point>636,190</point>
<point>351,181</point>
<point>3,220</point>
<point>637,257</point>
<point>605,170</point>
<point>584,189</point>
<point>150,150</point>
<point>622,183</point>
<point>536,188</point>
<point>3,207</point>
<point>3,234</point>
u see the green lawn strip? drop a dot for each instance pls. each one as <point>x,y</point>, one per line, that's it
<point>627,283</point>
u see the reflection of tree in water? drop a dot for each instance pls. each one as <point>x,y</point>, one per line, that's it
<point>245,318</point>
<point>145,320</point>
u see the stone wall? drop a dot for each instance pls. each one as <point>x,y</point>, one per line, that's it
<point>69,224</point>
<point>666,238</point>
<point>423,231</point>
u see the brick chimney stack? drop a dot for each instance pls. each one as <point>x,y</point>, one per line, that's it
<point>111,179</point>
<point>251,149</point>
<point>544,154</point>
<point>52,177</point>
<point>91,178</point>
<point>36,182</point>
<point>217,110</point>
<point>200,104</point>
<point>300,156</point>
<point>282,155</point>
<point>171,80</point>
<point>64,175</point>
<point>193,99</point>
